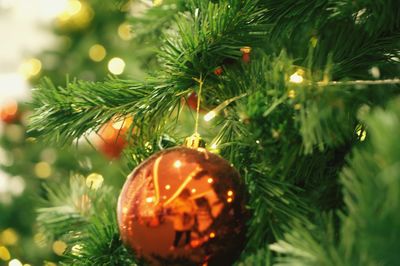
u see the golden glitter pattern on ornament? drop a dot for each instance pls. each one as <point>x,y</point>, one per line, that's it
<point>183,206</point>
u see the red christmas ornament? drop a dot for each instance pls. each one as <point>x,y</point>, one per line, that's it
<point>9,113</point>
<point>183,206</point>
<point>192,100</point>
<point>218,71</point>
<point>113,138</point>
<point>246,50</point>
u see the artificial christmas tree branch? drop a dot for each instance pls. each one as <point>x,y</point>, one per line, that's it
<point>288,137</point>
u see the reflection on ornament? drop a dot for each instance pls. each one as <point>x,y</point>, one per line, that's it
<point>185,223</point>
<point>97,52</point>
<point>9,113</point>
<point>116,66</point>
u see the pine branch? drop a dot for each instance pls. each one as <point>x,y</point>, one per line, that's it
<point>85,219</point>
<point>371,225</point>
<point>65,114</point>
<point>209,35</point>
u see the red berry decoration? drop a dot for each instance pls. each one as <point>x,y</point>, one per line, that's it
<point>218,71</point>
<point>183,206</point>
<point>9,113</point>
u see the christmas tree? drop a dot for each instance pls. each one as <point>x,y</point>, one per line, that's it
<point>83,47</point>
<point>301,97</point>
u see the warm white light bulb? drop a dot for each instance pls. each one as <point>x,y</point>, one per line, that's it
<point>116,66</point>
<point>209,116</point>
<point>296,78</point>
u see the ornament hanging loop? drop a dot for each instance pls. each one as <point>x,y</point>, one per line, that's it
<point>201,82</point>
<point>195,141</point>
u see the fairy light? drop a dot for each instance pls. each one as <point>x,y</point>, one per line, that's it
<point>116,66</point>
<point>297,77</point>
<point>9,237</point>
<point>4,253</point>
<point>94,181</point>
<point>149,199</point>
<point>167,187</point>
<point>209,116</point>
<point>30,68</point>
<point>212,235</point>
<point>193,190</point>
<point>291,94</point>
<point>229,200</point>
<point>76,250</point>
<point>59,247</point>
<point>230,193</point>
<point>14,262</point>
<point>97,52</point>
<point>210,180</point>
<point>157,3</point>
<point>125,31</point>
<point>43,170</point>
<point>73,7</point>
<point>362,134</point>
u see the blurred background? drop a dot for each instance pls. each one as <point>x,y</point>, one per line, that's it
<point>51,38</point>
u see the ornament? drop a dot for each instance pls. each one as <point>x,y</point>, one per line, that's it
<point>218,71</point>
<point>183,206</point>
<point>9,113</point>
<point>192,100</point>
<point>246,50</point>
<point>112,136</point>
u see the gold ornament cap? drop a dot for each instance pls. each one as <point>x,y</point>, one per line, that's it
<point>245,49</point>
<point>194,142</point>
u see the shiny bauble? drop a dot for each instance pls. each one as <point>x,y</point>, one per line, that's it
<point>183,206</point>
<point>9,113</point>
<point>192,100</point>
<point>113,138</point>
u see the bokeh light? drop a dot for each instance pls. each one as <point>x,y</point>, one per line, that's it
<point>116,66</point>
